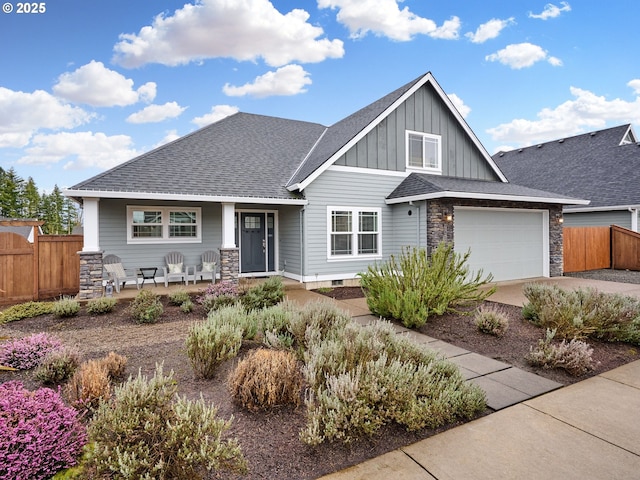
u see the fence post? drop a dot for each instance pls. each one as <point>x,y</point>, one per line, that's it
<point>90,275</point>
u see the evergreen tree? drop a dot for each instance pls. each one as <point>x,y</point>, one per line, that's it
<point>11,190</point>
<point>31,200</point>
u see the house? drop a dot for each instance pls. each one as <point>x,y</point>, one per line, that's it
<point>601,166</point>
<point>319,204</point>
<point>21,227</point>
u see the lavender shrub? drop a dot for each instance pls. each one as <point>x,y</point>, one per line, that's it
<point>28,352</point>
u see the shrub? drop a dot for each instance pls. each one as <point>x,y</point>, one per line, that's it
<point>58,366</point>
<point>66,307</point>
<point>362,378</point>
<point>28,352</point>
<point>218,295</point>
<point>146,307</point>
<point>266,294</point>
<point>28,449</point>
<point>583,313</point>
<point>186,306</point>
<point>415,286</point>
<point>147,431</point>
<point>574,356</point>
<point>491,320</point>
<point>178,297</point>
<point>115,365</point>
<point>89,385</point>
<point>274,323</point>
<point>211,342</point>
<point>266,378</point>
<point>315,320</point>
<point>102,305</point>
<point>25,310</point>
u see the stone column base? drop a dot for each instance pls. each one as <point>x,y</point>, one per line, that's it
<point>229,265</point>
<point>90,275</point>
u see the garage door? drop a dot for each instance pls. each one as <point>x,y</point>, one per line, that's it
<point>511,244</point>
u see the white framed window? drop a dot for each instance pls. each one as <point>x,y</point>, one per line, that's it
<point>424,151</point>
<point>163,224</point>
<point>353,233</point>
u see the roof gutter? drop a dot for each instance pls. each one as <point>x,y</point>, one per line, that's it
<point>183,197</point>
<point>486,196</point>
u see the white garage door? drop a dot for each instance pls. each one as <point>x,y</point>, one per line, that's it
<point>511,244</point>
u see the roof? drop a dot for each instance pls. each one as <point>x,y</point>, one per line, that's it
<point>422,186</point>
<point>596,166</point>
<point>242,155</point>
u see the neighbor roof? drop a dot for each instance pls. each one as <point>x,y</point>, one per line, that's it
<point>421,186</point>
<point>596,165</point>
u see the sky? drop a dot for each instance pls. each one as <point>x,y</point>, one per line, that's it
<point>88,84</point>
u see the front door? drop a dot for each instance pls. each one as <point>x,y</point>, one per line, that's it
<point>253,242</point>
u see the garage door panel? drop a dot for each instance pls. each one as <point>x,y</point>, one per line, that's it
<point>508,244</point>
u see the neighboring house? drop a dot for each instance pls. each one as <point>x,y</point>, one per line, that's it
<point>25,231</point>
<point>319,204</point>
<point>601,166</point>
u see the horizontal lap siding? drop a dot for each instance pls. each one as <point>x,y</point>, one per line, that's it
<point>290,243</point>
<point>621,218</point>
<point>113,234</point>
<point>345,189</point>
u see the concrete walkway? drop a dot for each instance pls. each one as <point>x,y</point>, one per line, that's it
<point>588,430</point>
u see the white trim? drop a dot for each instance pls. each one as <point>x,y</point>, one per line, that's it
<point>329,277</point>
<point>427,78</point>
<point>182,197</point>
<point>91,214</point>
<point>354,256</point>
<point>306,157</point>
<point>370,171</point>
<point>424,135</point>
<point>165,239</point>
<point>228,225</point>
<point>614,208</point>
<point>485,196</point>
<point>545,229</point>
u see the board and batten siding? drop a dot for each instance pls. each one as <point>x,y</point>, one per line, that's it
<point>113,234</point>
<point>384,148</point>
<point>350,189</point>
<point>622,218</point>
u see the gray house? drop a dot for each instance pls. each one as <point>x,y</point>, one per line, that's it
<point>602,166</point>
<point>319,204</point>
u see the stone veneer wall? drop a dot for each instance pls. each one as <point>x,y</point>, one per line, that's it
<point>229,264</point>
<point>90,275</point>
<point>439,229</point>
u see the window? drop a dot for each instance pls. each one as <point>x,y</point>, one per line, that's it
<point>353,232</point>
<point>424,151</point>
<point>163,225</point>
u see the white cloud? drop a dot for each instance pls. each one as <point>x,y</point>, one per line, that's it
<point>170,136</point>
<point>384,18</point>
<point>522,55</point>
<point>156,113</point>
<point>587,111</point>
<point>22,114</point>
<point>551,11</point>
<point>80,149</point>
<point>244,30</point>
<point>288,80</point>
<point>217,113</point>
<point>464,110</point>
<point>489,30</point>
<point>96,85</point>
<point>635,84</point>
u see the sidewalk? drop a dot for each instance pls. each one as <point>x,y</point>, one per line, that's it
<point>538,431</point>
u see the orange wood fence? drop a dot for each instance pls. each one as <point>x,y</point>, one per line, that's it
<point>47,268</point>
<point>625,248</point>
<point>586,248</point>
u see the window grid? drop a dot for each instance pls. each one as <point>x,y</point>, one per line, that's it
<point>161,224</point>
<point>354,232</point>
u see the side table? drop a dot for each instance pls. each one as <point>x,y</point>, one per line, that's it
<point>149,273</point>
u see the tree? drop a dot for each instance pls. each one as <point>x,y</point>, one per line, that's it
<point>31,200</point>
<point>11,189</point>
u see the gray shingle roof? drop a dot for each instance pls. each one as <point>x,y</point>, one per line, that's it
<point>592,165</point>
<point>241,155</point>
<point>425,185</point>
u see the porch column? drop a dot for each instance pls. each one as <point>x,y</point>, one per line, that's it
<point>91,225</point>
<point>229,253</point>
<point>90,275</point>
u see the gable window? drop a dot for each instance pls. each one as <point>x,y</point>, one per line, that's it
<point>163,224</point>
<point>353,232</point>
<point>424,151</point>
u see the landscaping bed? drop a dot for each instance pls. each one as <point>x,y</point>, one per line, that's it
<point>270,440</point>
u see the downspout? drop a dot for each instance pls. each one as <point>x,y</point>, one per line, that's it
<point>634,218</point>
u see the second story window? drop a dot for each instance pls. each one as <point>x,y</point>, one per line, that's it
<point>424,152</point>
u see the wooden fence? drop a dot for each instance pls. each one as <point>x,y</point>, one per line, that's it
<point>46,268</point>
<point>625,248</point>
<point>586,248</point>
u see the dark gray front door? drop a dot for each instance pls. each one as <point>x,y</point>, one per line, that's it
<point>253,242</point>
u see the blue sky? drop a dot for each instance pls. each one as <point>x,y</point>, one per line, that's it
<point>88,84</point>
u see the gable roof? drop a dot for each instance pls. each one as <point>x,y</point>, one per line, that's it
<point>596,165</point>
<point>241,156</point>
<point>422,186</point>
<point>344,134</point>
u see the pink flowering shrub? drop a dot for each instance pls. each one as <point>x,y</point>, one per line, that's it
<point>39,434</point>
<point>218,295</point>
<point>28,352</point>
